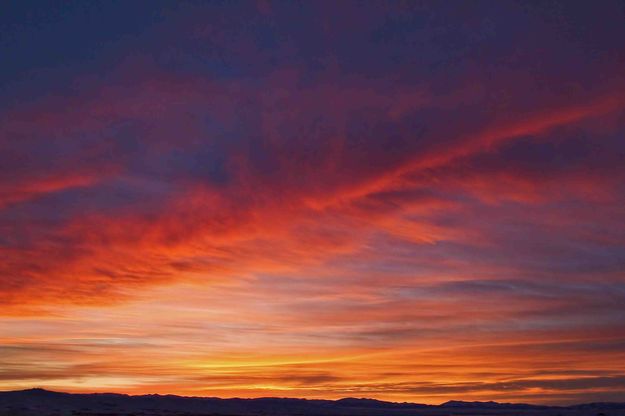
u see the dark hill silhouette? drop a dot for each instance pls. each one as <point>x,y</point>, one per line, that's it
<point>491,405</point>
<point>40,402</point>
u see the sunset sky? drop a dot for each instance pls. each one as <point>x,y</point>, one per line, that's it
<point>409,201</point>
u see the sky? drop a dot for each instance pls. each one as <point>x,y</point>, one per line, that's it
<point>410,201</point>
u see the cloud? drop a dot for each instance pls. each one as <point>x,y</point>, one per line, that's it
<point>365,194</point>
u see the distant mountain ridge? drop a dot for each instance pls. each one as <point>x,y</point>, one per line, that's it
<point>41,402</point>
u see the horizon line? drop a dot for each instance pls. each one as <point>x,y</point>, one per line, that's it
<point>309,399</point>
